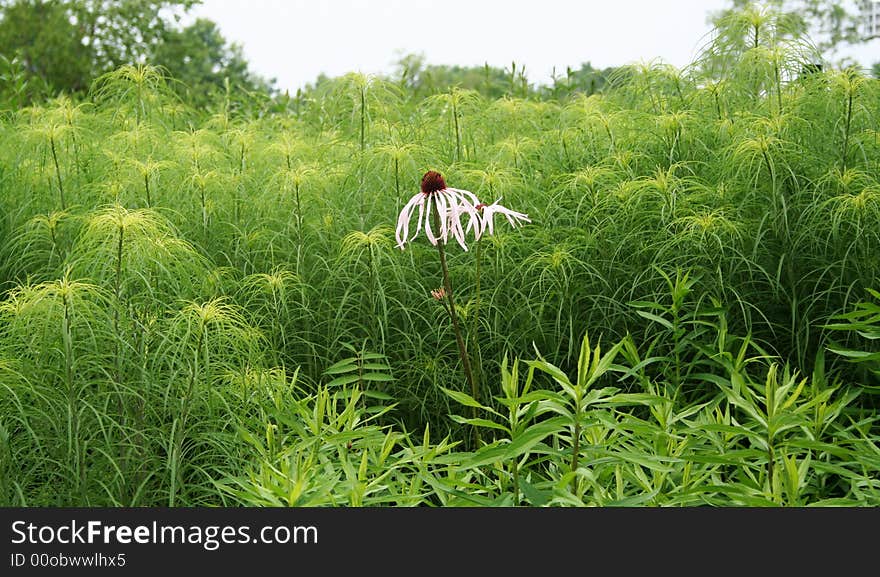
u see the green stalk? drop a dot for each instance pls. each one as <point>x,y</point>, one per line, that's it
<point>139,110</point>
<point>778,86</point>
<point>55,246</point>
<point>278,327</point>
<point>180,422</point>
<point>204,210</point>
<point>447,286</point>
<point>515,472</point>
<point>73,450</point>
<point>371,290</point>
<point>776,193</point>
<point>475,325</point>
<point>847,128</point>
<point>363,144</point>
<point>299,228</point>
<point>770,399</point>
<point>363,118</point>
<point>565,154</point>
<point>236,208</point>
<point>756,88</point>
<point>457,128</point>
<point>397,179</point>
<point>117,290</point>
<point>147,189</point>
<point>576,444</point>
<point>75,142</point>
<point>117,293</point>
<point>57,173</point>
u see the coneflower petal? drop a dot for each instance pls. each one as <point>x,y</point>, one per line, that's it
<point>466,202</point>
<point>403,221</point>
<point>473,223</point>
<point>420,217</point>
<point>455,224</point>
<point>465,195</point>
<point>452,223</point>
<point>428,231</point>
<point>440,206</point>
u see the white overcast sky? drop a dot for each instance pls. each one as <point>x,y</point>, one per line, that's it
<point>294,41</point>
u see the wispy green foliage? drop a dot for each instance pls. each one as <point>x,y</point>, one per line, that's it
<point>207,307</point>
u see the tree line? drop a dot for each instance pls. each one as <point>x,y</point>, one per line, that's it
<point>52,47</point>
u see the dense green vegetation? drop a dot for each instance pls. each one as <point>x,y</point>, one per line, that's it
<point>49,47</point>
<point>209,308</point>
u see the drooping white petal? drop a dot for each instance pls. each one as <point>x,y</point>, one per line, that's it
<point>455,223</point>
<point>466,202</point>
<point>474,222</point>
<point>465,195</point>
<point>403,221</point>
<point>453,220</point>
<point>440,205</point>
<point>430,205</point>
<point>421,215</point>
<point>512,217</point>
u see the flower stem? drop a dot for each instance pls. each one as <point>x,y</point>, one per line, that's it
<point>447,285</point>
<point>475,322</point>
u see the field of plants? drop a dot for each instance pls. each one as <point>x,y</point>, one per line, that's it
<point>215,309</point>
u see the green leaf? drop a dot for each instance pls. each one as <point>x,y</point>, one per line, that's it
<point>375,367</point>
<point>856,355</point>
<point>378,395</point>
<point>462,398</point>
<point>376,377</point>
<point>648,461</point>
<point>553,371</point>
<point>522,444</point>
<point>486,423</point>
<point>604,364</point>
<point>339,381</point>
<point>655,318</point>
<point>343,366</point>
<point>442,487</point>
<point>534,496</point>
<point>624,399</point>
<point>647,305</point>
<point>634,500</point>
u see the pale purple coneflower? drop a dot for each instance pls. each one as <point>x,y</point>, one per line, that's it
<point>452,202</point>
<point>444,207</point>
